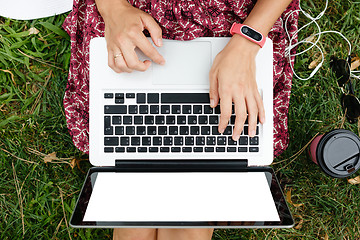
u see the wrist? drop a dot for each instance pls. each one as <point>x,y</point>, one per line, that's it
<point>105,7</point>
<point>244,45</point>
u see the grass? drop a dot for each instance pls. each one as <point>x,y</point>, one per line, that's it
<point>38,192</point>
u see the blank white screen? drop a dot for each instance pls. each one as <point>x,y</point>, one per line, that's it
<point>208,196</point>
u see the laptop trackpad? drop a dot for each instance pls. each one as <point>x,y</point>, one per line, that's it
<point>187,63</point>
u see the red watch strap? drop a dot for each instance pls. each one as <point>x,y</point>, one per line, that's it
<point>236,28</point>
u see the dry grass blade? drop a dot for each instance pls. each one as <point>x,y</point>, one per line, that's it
<point>41,92</point>
<point>288,198</point>
<point>40,61</point>
<point>62,202</point>
<point>57,228</point>
<point>51,157</point>
<point>21,159</point>
<point>11,74</point>
<point>299,225</point>
<point>18,190</point>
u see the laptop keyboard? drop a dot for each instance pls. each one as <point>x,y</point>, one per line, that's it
<point>169,122</point>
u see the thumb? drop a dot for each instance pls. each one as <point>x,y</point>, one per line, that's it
<point>213,92</point>
<point>154,29</point>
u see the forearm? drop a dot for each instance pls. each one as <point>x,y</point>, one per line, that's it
<point>104,6</point>
<point>265,13</point>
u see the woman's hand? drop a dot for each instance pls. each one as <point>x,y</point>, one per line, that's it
<point>232,80</point>
<point>124,25</point>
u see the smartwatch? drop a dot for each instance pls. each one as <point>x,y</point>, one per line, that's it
<point>249,33</point>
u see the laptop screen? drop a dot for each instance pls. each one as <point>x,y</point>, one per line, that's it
<point>178,198</point>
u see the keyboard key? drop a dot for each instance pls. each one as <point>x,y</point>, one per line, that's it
<point>257,130</point>
<point>184,130</point>
<point>138,120</point>
<point>245,131</point>
<point>221,140</point>
<point>175,149</point>
<point>178,141</point>
<point>243,140</point>
<point>208,110</point>
<point>159,119</point>
<point>144,109</point>
<point>253,149</point>
<point>209,149</point>
<point>140,98</point>
<point>135,141</point>
<point>214,119</point>
<point>119,149</point>
<point>217,109</point>
<point>231,141</point>
<point>108,149</point>
<point>153,149</point>
<point>116,120</point>
<point>140,130</point>
<point>194,130</point>
<point>254,140</point>
<point>220,149</point>
<point>164,149</point>
<point>205,130</point>
<point>111,141</point>
<point>115,109</point>
<point>154,109</point>
<point>242,149</point>
<point>232,119</point>
<point>185,98</point>
<point>167,141</point>
<point>203,119</point>
<point>173,130</point>
<point>189,141</point>
<point>210,141</point>
<point>119,95</point>
<point>157,141</point>
<point>127,120</point>
<point>109,131</point>
<point>170,119</point>
<point>153,98</point>
<point>124,141</point>
<point>200,141</point>
<point>187,149</point>
<point>131,149</point>
<point>130,130</point>
<point>146,141</point>
<point>162,130</point>
<point>107,121</point>
<point>108,95</point>
<point>228,130</point>
<point>130,95</point>
<point>231,149</point>
<point>133,109</point>
<point>175,109</point>
<point>142,149</point>
<point>186,109</point>
<point>215,130</point>
<point>198,149</point>
<point>119,130</point>
<point>165,109</point>
<point>192,119</point>
<point>119,100</point>
<point>181,120</point>
<point>151,130</point>
<point>149,120</point>
<point>197,109</point>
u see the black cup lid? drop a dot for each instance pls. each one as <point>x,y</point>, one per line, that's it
<point>338,153</point>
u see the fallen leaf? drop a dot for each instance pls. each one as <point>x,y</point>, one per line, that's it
<point>288,198</point>
<point>299,225</point>
<point>50,157</point>
<point>326,236</point>
<point>355,63</point>
<point>310,39</point>
<point>33,30</point>
<point>316,62</point>
<point>354,181</point>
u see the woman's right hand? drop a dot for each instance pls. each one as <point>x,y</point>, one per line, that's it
<point>124,26</point>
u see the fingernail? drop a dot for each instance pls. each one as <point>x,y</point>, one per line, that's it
<point>159,42</point>
<point>221,130</point>
<point>212,103</point>
<point>236,137</point>
<point>252,133</point>
<point>262,120</point>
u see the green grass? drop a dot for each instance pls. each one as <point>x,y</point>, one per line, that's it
<point>37,198</point>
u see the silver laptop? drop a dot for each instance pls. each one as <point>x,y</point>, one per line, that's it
<point>160,161</point>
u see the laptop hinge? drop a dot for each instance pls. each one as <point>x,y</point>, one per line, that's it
<point>182,165</point>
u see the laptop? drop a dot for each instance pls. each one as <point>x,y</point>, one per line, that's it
<point>159,159</point>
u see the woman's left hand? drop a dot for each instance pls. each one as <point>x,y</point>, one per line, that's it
<point>232,80</point>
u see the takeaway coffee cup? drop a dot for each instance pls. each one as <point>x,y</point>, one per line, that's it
<point>337,152</point>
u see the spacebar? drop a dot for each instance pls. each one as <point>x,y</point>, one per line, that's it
<point>185,98</point>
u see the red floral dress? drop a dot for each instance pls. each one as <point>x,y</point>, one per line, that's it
<point>180,20</point>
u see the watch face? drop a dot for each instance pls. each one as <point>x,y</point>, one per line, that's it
<point>251,33</point>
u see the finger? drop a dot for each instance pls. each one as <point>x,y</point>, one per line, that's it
<point>225,111</point>
<point>154,29</point>
<point>149,50</point>
<point>252,114</point>
<point>213,91</point>
<point>240,112</point>
<point>111,62</point>
<point>120,63</point>
<point>131,59</point>
<point>261,108</point>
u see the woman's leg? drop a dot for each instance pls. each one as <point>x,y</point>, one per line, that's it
<point>185,234</point>
<point>135,234</point>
